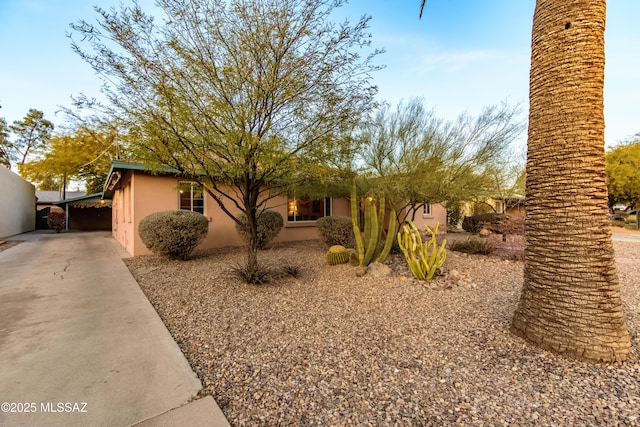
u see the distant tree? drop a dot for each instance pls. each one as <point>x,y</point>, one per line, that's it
<point>31,134</point>
<point>417,159</point>
<point>240,95</point>
<point>82,153</point>
<point>5,144</point>
<point>623,173</point>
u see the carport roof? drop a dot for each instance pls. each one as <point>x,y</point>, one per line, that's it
<point>94,200</point>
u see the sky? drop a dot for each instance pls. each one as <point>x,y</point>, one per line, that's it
<point>462,55</point>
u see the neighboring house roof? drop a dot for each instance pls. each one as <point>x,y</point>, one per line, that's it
<point>119,168</point>
<point>47,197</point>
<point>94,200</point>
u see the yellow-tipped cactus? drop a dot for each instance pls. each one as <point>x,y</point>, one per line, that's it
<point>423,258</point>
<point>337,255</point>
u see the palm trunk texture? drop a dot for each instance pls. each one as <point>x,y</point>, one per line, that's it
<point>570,302</point>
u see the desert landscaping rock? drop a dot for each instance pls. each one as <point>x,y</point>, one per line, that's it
<point>330,348</point>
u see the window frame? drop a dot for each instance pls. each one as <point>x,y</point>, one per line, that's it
<point>292,207</point>
<point>193,207</point>
<point>427,210</point>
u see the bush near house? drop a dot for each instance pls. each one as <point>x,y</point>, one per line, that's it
<point>473,246</point>
<point>56,220</point>
<point>336,230</point>
<point>269,225</point>
<point>174,234</point>
<point>506,225</point>
<point>473,224</point>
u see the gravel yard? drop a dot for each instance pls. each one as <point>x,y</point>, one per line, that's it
<point>329,348</point>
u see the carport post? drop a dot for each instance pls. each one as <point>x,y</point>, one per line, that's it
<point>66,217</point>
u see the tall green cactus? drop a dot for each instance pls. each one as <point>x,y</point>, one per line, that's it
<point>370,248</point>
<point>423,258</point>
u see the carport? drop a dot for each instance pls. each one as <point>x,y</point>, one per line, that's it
<point>87,213</point>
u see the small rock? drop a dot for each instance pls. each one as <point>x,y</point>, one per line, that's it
<point>377,269</point>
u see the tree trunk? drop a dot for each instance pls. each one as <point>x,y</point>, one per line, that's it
<point>252,244</point>
<point>570,301</point>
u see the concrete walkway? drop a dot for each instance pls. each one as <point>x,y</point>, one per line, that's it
<point>80,344</point>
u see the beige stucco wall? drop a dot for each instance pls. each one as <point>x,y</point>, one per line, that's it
<point>438,216</point>
<point>140,194</point>
<point>18,211</point>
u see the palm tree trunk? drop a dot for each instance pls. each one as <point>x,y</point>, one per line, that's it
<point>570,301</point>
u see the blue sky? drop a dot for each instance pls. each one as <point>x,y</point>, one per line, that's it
<point>463,55</point>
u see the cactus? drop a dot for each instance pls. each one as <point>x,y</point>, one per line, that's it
<point>423,258</point>
<point>370,248</point>
<point>337,254</point>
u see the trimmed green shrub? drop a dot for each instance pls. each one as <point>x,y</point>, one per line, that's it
<point>269,225</point>
<point>174,234</point>
<point>336,230</point>
<point>473,246</point>
<point>56,220</point>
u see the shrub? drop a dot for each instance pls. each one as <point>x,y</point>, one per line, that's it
<point>287,268</point>
<point>269,225</point>
<point>174,234</point>
<point>252,275</point>
<point>506,225</point>
<point>56,220</point>
<point>473,246</point>
<point>336,230</point>
<point>473,224</point>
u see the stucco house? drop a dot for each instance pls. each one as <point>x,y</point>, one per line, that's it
<point>135,192</point>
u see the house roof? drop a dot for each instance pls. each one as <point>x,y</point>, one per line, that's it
<point>94,200</point>
<point>47,197</point>
<point>119,168</point>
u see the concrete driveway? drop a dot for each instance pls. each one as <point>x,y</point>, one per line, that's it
<point>80,345</point>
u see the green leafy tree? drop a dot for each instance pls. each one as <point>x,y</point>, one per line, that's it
<point>83,154</point>
<point>5,144</point>
<point>31,135</point>
<point>623,173</point>
<point>240,95</point>
<point>417,159</point>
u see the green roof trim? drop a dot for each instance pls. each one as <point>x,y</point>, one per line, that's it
<point>90,200</point>
<point>119,168</point>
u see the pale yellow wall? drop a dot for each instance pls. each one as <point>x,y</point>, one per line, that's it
<point>18,210</point>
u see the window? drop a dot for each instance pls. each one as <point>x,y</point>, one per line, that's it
<point>426,209</point>
<point>499,207</point>
<point>305,209</point>
<point>190,196</point>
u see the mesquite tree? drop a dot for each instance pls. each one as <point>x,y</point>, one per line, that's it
<point>237,94</point>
